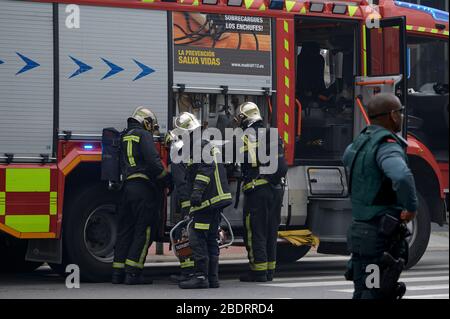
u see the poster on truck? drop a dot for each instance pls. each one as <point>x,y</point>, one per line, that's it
<point>235,46</point>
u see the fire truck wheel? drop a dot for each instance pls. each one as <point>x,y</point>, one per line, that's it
<point>13,252</point>
<point>420,228</point>
<point>90,232</point>
<point>287,253</point>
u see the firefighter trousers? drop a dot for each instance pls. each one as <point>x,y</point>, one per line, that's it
<point>203,234</point>
<point>262,215</point>
<point>136,215</point>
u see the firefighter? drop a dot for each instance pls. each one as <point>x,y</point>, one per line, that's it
<point>383,198</point>
<point>179,172</point>
<point>209,193</point>
<point>143,174</point>
<point>263,196</point>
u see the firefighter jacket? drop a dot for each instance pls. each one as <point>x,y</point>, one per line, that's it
<point>178,171</point>
<point>250,168</point>
<point>140,158</point>
<point>208,181</point>
<point>380,180</point>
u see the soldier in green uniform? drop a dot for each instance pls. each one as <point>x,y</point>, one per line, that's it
<point>383,198</point>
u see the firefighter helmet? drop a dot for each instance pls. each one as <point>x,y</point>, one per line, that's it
<point>146,117</point>
<point>187,122</point>
<point>249,114</point>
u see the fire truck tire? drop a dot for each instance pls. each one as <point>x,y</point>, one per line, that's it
<point>421,230</point>
<point>287,253</point>
<point>89,233</point>
<point>13,252</point>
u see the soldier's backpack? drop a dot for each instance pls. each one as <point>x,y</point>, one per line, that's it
<point>111,156</point>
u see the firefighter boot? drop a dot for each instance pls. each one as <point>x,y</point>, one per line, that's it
<point>136,279</point>
<point>198,281</point>
<point>118,276</point>
<point>185,274</point>
<point>213,272</point>
<point>254,276</point>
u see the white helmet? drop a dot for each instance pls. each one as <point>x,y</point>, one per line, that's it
<point>249,113</point>
<point>146,117</point>
<point>187,122</point>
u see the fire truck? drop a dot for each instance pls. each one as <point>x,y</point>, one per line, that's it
<point>68,69</point>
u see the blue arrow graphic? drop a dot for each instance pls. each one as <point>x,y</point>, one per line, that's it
<point>30,64</point>
<point>145,70</point>
<point>114,69</point>
<point>83,67</point>
<point>1,62</point>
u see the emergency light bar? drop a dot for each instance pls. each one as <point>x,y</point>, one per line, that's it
<point>235,3</point>
<point>317,7</point>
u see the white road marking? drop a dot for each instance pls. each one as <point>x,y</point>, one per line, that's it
<point>439,296</point>
<point>345,283</point>
<point>408,288</point>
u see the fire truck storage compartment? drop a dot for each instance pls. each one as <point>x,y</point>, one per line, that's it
<point>26,79</point>
<point>329,219</point>
<point>116,61</point>
<point>326,65</point>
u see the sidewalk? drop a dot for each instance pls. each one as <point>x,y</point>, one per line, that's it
<point>439,241</point>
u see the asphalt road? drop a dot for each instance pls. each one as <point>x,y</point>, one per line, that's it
<point>313,277</point>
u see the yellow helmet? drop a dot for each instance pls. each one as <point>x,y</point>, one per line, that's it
<point>187,122</point>
<point>146,117</point>
<point>249,113</point>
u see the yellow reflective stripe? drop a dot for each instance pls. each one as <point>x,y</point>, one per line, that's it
<point>29,223</point>
<point>286,82</point>
<point>131,263</point>
<point>202,206</point>
<point>201,226</point>
<point>352,10</point>
<point>286,100</point>
<point>289,6</point>
<point>409,27</point>
<point>163,173</point>
<point>446,33</point>
<point>286,25</point>
<point>364,51</point>
<point>138,175</point>
<point>303,11</point>
<point>202,178</point>
<point>271,265</point>
<point>217,177</point>
<point>185,204</point>
<point>130,139</point>
<point>148,1</point>
<point>258,266</point>
<point>53,203</point>
<point>434,31</point>
<point>146,245</point>
<point>219,198</point>
<point>286,137</point>
<point>422,29</point>
<point>255,182</point>
<point>286,63</point>
<point>188,263</point>
<point>27,180</point>
<point>248,225</point>
<point>118,265</point>
<point>2,203</point>
<point>286,118</point>
<point>286,45</point>
<point>249,147</point>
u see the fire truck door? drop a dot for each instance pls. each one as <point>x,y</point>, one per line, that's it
<point>384,66</point>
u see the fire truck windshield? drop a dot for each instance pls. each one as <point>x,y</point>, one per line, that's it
<point>428,65</point>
